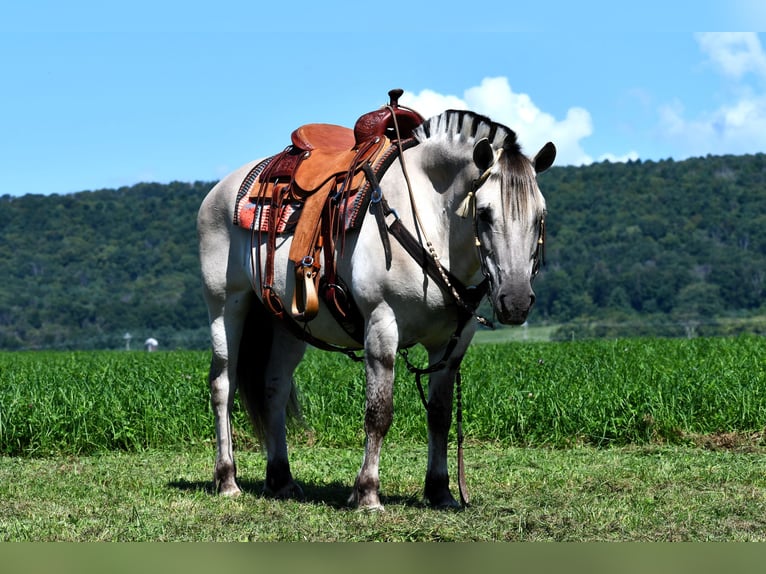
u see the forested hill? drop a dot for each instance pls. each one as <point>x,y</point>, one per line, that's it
<point>82,270</point>
<point>668,247</point>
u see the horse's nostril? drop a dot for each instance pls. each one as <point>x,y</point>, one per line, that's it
<point>531,299</point>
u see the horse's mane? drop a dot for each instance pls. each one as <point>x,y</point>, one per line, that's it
<point>516,170</point>
<point>470,126</point>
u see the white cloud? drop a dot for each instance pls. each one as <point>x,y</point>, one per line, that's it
<point>737,126</point>
<point>534,127</point>
<point>735,54</point>
<point>429,103</point>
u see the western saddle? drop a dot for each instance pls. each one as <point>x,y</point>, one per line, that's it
<point>322,168</point>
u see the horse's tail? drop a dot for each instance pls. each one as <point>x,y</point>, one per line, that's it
<point>254,352</point>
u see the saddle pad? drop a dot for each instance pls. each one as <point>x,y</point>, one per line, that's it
<point>254,215</point>
<point>248,213</point>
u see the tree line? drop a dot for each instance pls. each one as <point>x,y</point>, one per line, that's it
<point>668,248</point>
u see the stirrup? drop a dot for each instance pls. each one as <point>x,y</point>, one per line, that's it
<point>305,304</point>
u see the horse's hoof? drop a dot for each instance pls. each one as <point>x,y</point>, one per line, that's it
<point>443,502</point>
<point>450,504</point>
<point>290,491</point>
<point>369,502</point>
<point>229,488</point>
<point>372,508</point>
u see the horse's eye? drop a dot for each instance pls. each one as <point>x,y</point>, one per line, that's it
<point>484,214</point>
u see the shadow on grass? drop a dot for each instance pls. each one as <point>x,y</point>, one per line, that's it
<point>333,494</point>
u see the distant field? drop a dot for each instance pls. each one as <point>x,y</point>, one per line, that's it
<point>524,333</point>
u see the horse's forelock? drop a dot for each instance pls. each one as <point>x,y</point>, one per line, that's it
<point>511,144</point>
<point>519,186</point>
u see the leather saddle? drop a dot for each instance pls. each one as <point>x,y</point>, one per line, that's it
<point>323,165</point>
<point>320,152</point>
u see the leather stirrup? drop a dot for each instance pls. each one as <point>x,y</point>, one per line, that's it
<point>305,304</point>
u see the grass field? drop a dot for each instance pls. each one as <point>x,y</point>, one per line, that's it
<point>636,439</point>
<point>648,493</point>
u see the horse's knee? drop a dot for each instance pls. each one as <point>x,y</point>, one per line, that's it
<point>220,392</point>
<point>439,417</point>
<point>378,418</point>
<point>379,410</point>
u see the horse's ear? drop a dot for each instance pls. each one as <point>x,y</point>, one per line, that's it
<point>544,158</point>
<point>483,154</point>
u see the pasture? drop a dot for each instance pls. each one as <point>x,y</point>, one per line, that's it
<point>633,439</point>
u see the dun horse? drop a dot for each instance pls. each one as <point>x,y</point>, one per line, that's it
<point>375,239</point>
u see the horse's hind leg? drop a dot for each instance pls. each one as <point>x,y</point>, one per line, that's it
<point>228,295</point>
<point>226,329</point>
<point>278,402</point>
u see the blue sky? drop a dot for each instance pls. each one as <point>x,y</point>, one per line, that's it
<point>104,94</point>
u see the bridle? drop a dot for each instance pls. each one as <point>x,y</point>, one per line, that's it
<point>540,251</point>
<point>467,209</point>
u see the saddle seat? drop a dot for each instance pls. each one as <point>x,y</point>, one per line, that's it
<point>323,136</point>
<point>320,152</point>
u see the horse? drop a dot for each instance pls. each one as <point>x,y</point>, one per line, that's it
<point>470,216</point>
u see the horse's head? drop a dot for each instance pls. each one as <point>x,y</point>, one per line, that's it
<point>503,203</point>
<point>509,214</point>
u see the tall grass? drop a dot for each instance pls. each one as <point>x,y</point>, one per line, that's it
<point>83,402</point>
<point>591,392</point>
<point>617,392</point>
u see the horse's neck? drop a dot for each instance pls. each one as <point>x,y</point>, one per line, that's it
<point>429,208</point>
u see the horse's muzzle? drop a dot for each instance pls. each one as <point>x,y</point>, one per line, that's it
<point>512,306</point>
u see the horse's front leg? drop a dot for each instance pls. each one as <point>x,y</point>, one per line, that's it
<point>381,340</point>
<point>440,391</point>
<point>440,397</point>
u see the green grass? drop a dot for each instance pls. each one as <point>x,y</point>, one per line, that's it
<point>633,391</point>
<point>84,402</point>
<point>638,439</point>
<point>650,493</point>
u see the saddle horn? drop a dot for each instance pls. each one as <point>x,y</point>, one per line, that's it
<point>393,97</point>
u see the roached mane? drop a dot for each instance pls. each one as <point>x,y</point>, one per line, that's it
<point>472,127</point>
